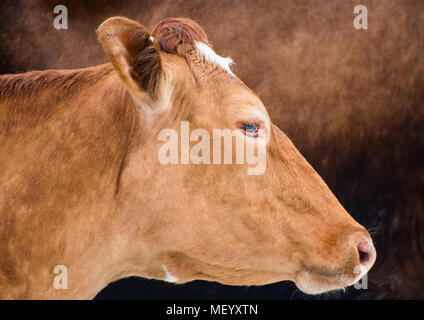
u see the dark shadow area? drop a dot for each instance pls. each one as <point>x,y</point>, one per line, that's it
<point>138,288</point>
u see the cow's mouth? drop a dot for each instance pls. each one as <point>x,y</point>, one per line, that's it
<point>316,280</point>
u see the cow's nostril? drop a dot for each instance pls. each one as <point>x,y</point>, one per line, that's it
<point>366,252</point>
<point>363,257</point>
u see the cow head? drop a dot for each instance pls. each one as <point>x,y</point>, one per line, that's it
<point>184,220</point>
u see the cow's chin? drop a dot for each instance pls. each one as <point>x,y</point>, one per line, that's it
<point>314,284</point>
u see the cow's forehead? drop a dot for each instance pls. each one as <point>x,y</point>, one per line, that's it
<point>212,57</point>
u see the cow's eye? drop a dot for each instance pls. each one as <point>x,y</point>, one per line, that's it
<point>250,127</point>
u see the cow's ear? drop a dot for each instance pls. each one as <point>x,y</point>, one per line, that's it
<point>133,53</point>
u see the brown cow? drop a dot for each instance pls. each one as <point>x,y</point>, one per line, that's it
<point>351,100</point>
<point>82,186</point>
